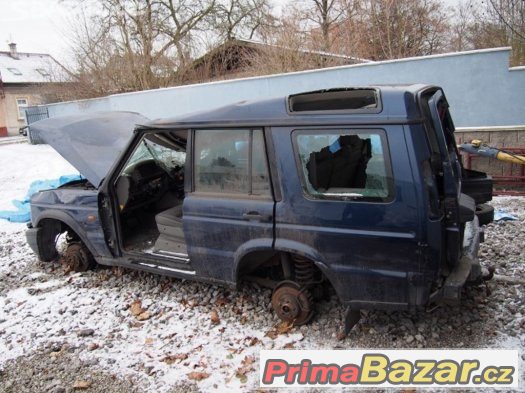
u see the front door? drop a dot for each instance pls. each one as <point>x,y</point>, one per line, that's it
<point>229,207</point>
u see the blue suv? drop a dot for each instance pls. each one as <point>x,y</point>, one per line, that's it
<point>358,189</point>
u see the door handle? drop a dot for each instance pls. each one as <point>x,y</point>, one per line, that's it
<point>255,216</point>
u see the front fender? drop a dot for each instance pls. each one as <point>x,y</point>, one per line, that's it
<point>95,247</point>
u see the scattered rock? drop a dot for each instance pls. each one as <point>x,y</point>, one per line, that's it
<point>144,316</point>
<point>85,332</point>
<point>81,384</point>
<point>136,308</point>
<point>215,317</point>
<point>197,375</point>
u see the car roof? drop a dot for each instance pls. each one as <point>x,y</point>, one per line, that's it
<point>397,104</point>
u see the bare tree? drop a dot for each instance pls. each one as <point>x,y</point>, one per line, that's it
<point>461,26</point>
<point>289,48</point>
<point>400,29</point>
<point>499,23</point>
<point>377,29</point>
<point>128,45</point>
<point>327,13</point>
<point>511,14</point>
<point>319,18</point>
<point>120,47</point>
<point>241,18</point>
<point>181,20</point>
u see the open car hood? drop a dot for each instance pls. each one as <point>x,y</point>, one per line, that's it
<point>91,142</point>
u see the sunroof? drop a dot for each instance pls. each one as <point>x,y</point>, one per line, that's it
<point>355,100</point>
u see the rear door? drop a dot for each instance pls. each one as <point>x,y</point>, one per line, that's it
<point>229,208</point>
<point>349,206</point>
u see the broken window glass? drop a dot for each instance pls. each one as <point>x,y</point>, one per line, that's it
<point>344,165</point>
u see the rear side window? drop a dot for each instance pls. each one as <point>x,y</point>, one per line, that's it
<point>345,165</point>
<point>231,161</point>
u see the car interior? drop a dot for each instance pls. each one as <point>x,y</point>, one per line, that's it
<point>150,193</point>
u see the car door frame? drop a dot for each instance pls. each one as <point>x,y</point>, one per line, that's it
<point>244,248</point>
<point>109,206</point>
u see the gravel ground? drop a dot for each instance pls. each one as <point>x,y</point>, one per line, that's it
<point>116,330</point>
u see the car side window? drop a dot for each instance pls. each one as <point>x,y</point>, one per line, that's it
<point>345,164</point>
<point>231,161</point>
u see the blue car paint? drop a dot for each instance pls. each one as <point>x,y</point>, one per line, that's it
<point>375,254</point>
<point>73,206</point>
<point>215,230</point>
<point>353,237</point>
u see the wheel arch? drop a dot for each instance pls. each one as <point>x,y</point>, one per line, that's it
<point>246,253</point>
<point>301,249</point>
<point>67,223</point>
<point>259,248</point>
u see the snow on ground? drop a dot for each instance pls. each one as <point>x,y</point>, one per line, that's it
<point>113,327</point>
<point>20,165</point>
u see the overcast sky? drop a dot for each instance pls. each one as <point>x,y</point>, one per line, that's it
<point>41,25</point>
<point>35,25</point>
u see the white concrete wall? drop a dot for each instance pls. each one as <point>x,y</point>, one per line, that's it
<point>479,85</point>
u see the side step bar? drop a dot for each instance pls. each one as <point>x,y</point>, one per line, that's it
<point>179,257</point>
<point>167,269</point>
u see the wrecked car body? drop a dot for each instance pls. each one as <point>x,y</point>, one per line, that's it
<point>357,189</point>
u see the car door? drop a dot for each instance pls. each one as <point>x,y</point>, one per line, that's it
<point>229,207</point>
<point>351,208</point>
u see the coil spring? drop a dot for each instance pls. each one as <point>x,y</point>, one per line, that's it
<point>304,270</point>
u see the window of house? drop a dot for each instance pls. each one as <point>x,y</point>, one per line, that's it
<point>231,161</point>
<point>14,71</point>
<point>42,72</point>
<point>345,165</point>
<point>21,104</point>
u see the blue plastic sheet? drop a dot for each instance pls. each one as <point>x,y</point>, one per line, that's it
<point>23,212</point>
<point>503,215</point>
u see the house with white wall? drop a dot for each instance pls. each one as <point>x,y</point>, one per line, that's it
<point>22,78</point>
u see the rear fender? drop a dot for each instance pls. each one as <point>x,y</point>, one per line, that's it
<point>303,250</point>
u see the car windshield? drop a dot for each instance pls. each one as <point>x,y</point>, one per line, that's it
<point>167,158</point>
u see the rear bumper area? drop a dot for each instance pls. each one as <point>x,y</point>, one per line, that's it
<point>468,268</point>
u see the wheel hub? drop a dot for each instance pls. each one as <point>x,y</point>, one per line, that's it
<point>77,258</point>
<point>292,303</point>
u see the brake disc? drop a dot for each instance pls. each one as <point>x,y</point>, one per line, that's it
<point>292,303</point>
